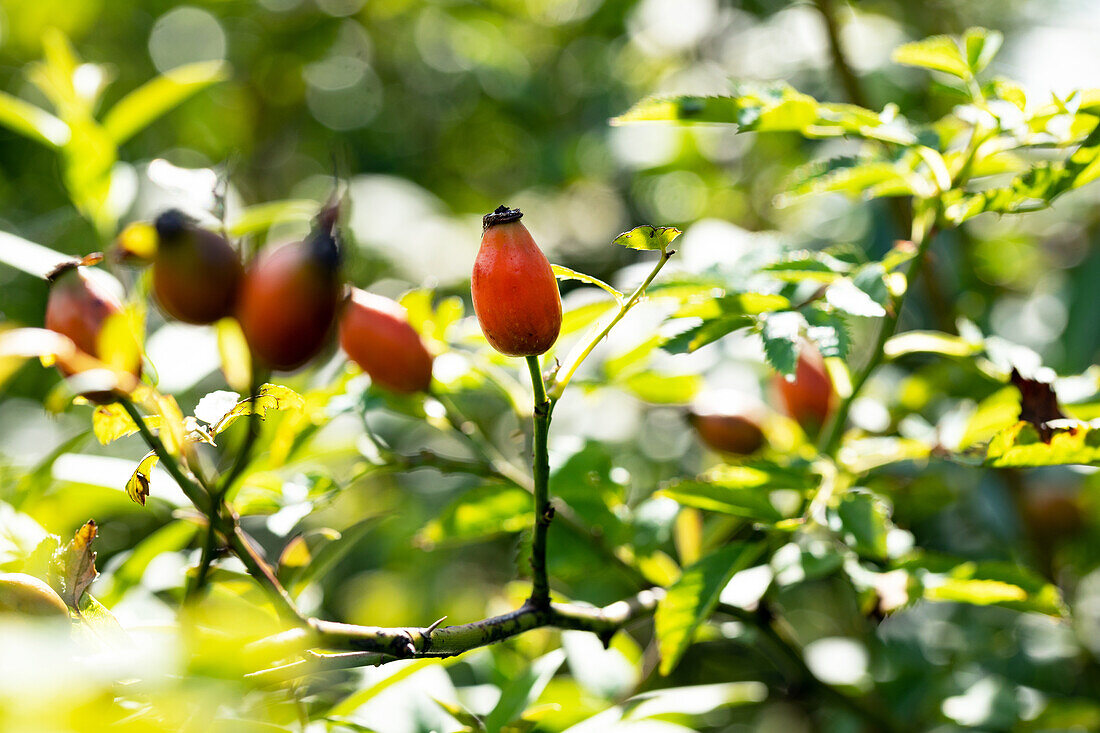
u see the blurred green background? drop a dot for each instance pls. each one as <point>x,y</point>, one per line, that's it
<point>435,113</point>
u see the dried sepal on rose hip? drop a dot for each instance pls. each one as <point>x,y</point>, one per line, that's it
<point>196,272</point>
<point>376,334</point>
<point>80,303</point>
<point>290,294</point>
<point>514,290</point>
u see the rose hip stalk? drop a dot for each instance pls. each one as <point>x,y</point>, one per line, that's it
<point>289,297</point>
<point>376,334</point>
<point>515,293</point>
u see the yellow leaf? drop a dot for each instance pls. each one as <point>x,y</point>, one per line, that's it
<point>235,355</point>
<point>166,417</point>
<point>269,397</point>
<point>296,554</point>
<point>138,240</point>
<point>111,422</point>
<point>117,343</point>
<point>138,485</point>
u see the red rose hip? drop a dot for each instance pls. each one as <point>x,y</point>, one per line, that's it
<point>376,334</point>
<point>196,272</point>
<point>289,297</point>
<point>514,290</point>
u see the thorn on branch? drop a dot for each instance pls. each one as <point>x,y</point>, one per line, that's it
<point>547,515</point>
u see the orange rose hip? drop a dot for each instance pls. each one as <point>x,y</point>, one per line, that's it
<point>809,398</point>
<point>376,334</point>
<point>514,290</point>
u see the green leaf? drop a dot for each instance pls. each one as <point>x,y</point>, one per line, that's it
<point>986,583</point>
<point>326,558</point>
<point>721,316</point>
<point>699,335</point>
<point>774,107</point>
<point>782,340</point>
<point>1033,189</point>
<point>269,397</point>
<point>521,692</point>
<point>480,513</point>
<point>865,521</point>
<point>134,112</point>
<point>261,217</point>
<point>648,237</point>
<point>777,107</point>
<point>735,304</point>
<point>828,330</point>
<point>846,296</point>
<point>805,265</point>
<point>584,483</point>
<point>692,700</point>
<point>664,389</point>
<point>929,342</point>
<point>629,362</point>
<point>861,455</point>
<point>430,320</point>
<point>1011,92</point>
<point>39,478</point>
<point>867,178</point>
<point>692,598</point>
<point>582,316</point>
<point>172,537</point>
<point>981,46</point>
<point>32,122</point>
<point>1020,446</point>
<point>997,412</point>
<point>939,53</point>
<point>361,696</point>
<point>564,273</point>
<point>138,486</point>
<point>742,491</point>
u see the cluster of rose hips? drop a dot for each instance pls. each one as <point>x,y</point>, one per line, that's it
<point>289,299</point>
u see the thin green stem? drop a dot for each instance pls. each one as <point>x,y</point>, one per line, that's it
<point>243,547</point>
<point>561,380</point>
<point>209,549</point>
<point>240,463</point>
<point>224,521</point>
<point>499,466</point>
<point>544,511</point>
<point>923,233</point>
